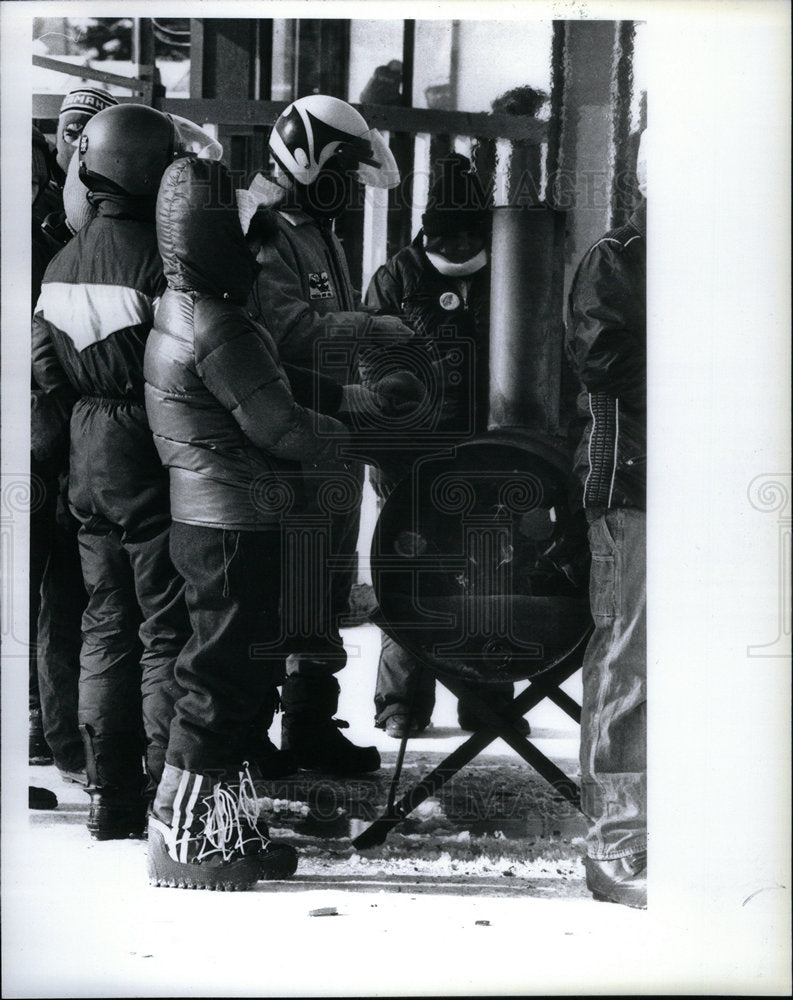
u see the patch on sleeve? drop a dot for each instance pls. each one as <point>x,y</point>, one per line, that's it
<point>319,286</point>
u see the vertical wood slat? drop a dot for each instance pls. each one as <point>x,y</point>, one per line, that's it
<point>322,57</point>
<point>196,57</point>
<point>408,59</point>
<point>623,185</point>
<point>375,231</point>
<point>421,179</point>
<point>501,172</point>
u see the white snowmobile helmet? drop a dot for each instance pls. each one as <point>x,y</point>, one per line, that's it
<point>314,128</point>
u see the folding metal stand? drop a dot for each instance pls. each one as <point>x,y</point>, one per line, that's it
<point>494,723</point>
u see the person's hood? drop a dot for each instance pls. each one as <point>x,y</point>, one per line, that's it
<point>199,233</point>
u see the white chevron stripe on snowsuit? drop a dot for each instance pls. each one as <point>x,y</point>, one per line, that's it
<point>89,313</point>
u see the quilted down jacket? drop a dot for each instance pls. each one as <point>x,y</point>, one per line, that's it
<point>607,347</point>
<point>220,404</point>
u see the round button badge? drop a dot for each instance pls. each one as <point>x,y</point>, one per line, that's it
<point>449,301</point>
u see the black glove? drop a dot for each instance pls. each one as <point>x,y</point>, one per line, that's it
<point>402,393</point>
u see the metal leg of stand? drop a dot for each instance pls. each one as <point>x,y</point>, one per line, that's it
<point>499,720</point>
<point>566,703</point>
<point>414,687</point>
<point>376,832</point>
<point>495,724</point>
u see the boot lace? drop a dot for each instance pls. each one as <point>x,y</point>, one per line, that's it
<point>249,806</point>
<point>226,830</point>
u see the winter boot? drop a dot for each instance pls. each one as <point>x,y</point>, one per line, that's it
<point>276,859</point>
<point>41,798</point>
<point>268,761</point>
<point>203,834</point>
<point>497,698</point>
<point>38,749</point>
<point>312,734</point>
<point>114,771</point>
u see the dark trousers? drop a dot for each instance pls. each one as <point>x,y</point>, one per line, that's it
<point>133,629</point>
<point>319,585</point>
<point>226,669</point>
<point>57,602</point>
<point>404,685</point>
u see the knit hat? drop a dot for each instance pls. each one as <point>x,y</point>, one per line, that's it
<point>457,201</point>
<point>87,99</point>
<point>79,210</point>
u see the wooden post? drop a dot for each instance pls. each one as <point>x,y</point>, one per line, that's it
<point>583,182</point>
<point>226,64</point>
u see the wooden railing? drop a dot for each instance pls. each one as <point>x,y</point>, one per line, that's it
<point>418,136</point>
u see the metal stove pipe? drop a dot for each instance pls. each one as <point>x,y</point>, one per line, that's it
<point>526,319</point>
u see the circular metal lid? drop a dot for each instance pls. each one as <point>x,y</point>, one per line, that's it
<point>479,565</point>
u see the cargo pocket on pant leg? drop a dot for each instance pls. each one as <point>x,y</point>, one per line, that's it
<point>602,577</point>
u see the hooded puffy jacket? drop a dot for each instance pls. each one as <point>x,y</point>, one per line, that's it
<point>219,402</point>
<point>607,347</point>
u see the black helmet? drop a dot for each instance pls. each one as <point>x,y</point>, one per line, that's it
<point>129,145</point>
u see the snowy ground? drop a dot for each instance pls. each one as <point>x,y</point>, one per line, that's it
<point>425,917</point>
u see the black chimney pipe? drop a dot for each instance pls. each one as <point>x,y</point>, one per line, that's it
<point>526,319</point>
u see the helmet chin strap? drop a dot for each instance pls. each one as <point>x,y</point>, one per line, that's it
<point>461,270</point>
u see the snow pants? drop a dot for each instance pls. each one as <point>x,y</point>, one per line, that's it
<point>133,629</point>
<point>136,620</point>
<point>226,670</point>
<point>57,602</point>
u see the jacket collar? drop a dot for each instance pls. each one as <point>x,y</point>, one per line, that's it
<point>122,206</point>
<point>296,216</point>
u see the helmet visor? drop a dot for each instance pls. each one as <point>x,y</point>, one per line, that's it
<point>379,170</point>
<point>192,139</point>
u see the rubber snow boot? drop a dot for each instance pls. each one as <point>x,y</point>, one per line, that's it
<point>276,859</point>
<point>114,772</point>
<point>202,834</point>
<point>310,731</point>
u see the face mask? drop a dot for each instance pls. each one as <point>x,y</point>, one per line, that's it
<point>462,270</point>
